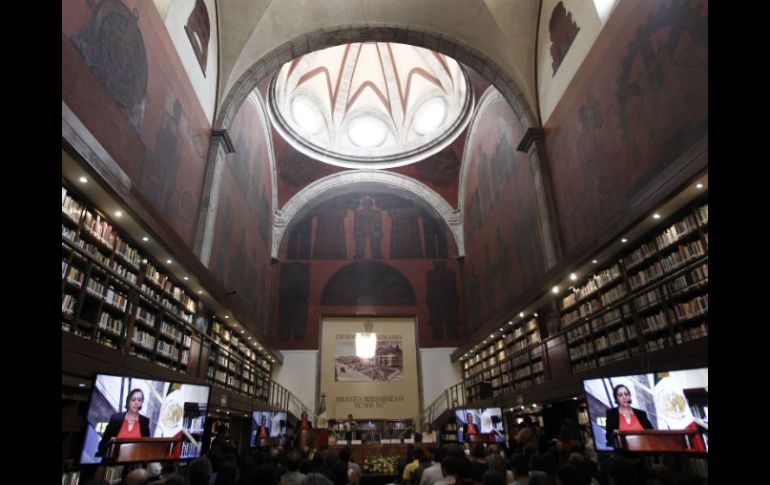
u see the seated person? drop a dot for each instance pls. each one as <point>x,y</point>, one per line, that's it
<point>390,432</point>
<point>354,433</point>
<point>371,436</point>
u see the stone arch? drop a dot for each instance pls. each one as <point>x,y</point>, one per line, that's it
<point>329,185</point>
<point>322,38</point>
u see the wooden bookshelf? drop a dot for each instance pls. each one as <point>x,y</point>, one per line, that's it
<point>114,294</point>
<point>511,360</point>
<point>653,295</point>
<point>234,365</point>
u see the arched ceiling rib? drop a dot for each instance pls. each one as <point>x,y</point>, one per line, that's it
<point>254,31</point>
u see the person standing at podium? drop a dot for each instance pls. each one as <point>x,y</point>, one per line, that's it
<point>129,424</point>
<point>624,417</point>
<point>469,428</point>
<point>305,423</point>
<point>264,428</point>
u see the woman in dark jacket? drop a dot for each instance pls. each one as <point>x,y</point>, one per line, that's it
<point>624,417</point>
<point>129,424</point>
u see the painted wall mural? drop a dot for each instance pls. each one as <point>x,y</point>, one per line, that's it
<point>373,253</point>
<point>504,255</point>
<point>563,31</point>
<point>240,255</point>
<point>368,225</point>
<point>296,170</point>
<point>198,30</point>
<point>368,283</point>
<point>640,100</point>
<point>119,80</point>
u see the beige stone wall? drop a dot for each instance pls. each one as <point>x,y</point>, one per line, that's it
<point>590,17</point>
<point>175,14</point>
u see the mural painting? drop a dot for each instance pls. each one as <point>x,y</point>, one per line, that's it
<point>119,81</point>
<point>294,289</point>
<point>443,301</point>
<point>240,256</point>
<point>608,140</point>
<point>504,255</point>
<point>368,226</point>
<point>198,30</point>
<point>368,283</point>
<point>372,251</point>
<point>563,30</point>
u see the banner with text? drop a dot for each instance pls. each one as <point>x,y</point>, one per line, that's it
<point>369,368</point>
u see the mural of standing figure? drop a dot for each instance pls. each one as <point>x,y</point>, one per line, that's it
<point>294,290</point>
<point>159,170</point>
<point>443,302</point>
<point>367,224</point>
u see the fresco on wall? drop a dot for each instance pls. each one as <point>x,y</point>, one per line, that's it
<point>111,44</point>
<point>504,255</point>
<point>368,283</point>
<point>138,103</point>
<point>295,170</point>
<point>160,167</point>
<point>198,30</point>
<point>240,256</point>
<point>563,30</point>
<point>439,172</point>
<point>629,120</point>
<point>365,225</point>
<point>443,301</point>
<point>373,252</point>
<point>294,291</point>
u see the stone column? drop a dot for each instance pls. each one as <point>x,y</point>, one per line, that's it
<point>221,145</point>
<point>533,144</point>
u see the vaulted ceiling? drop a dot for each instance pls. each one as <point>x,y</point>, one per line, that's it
<point>373,105</point>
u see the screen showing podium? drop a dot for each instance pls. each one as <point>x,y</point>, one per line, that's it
<point>482,425</point>
<point>652,412</point>
<point>131,419</point>
<point>268,428</point>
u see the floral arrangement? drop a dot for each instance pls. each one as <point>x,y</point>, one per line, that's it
<point>381,464</point>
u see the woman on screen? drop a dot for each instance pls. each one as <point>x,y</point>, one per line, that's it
<point>129,424</point>
<point>624,417</point>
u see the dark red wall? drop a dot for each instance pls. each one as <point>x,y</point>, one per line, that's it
<point>122,78</point>
<point>503,245</point>
<point>420,279</point>
<point>296,170</point>
<point>638,101</point>
<point>240,253</point>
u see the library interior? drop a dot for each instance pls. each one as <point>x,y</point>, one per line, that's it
<point>415,242</point>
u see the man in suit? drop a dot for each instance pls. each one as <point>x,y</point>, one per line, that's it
<point>353,434</point>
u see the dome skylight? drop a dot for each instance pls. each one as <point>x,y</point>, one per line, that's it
<point>370,104</point>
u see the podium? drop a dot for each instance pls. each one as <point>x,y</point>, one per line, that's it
<point>482,438</point>
<point>656,440</point>
<point>143,449</point>
<point>267,442</point>
<point>317,438</point>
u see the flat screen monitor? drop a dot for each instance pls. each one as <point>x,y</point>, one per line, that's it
<point>484,421</point>
<point>133,419</point>
<point>652,412</point>
<point>267,424</point>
